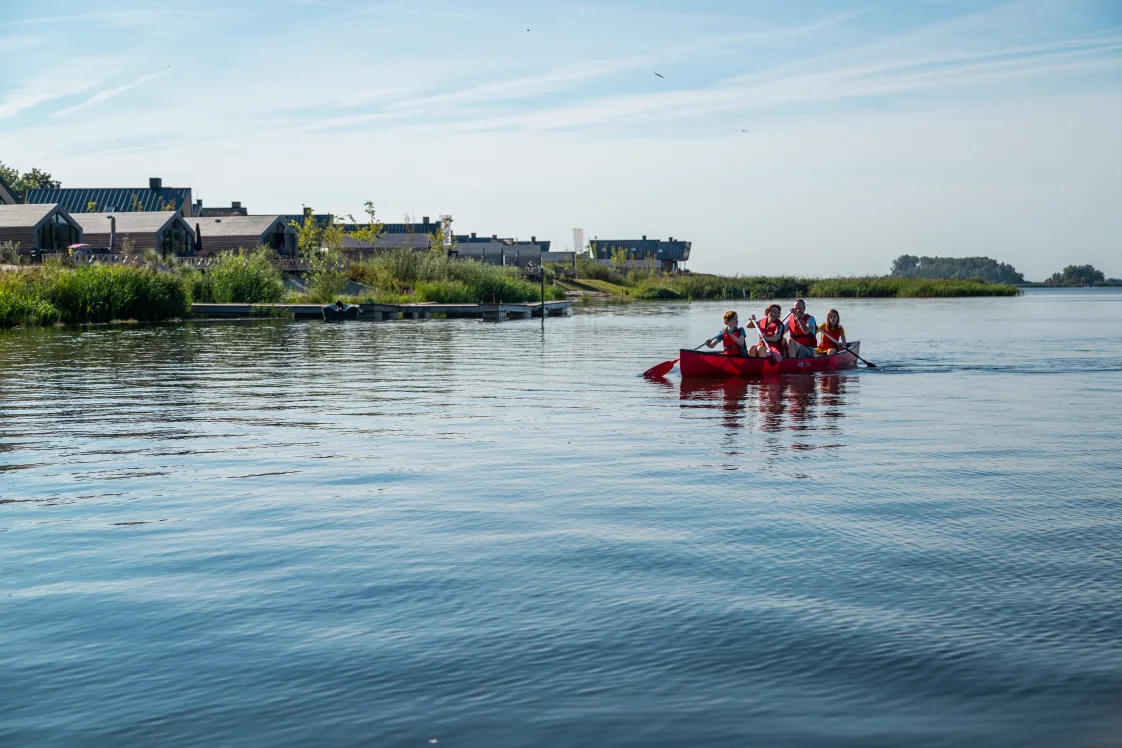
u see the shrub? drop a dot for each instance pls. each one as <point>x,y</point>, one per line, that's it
<point>435,277</point>
<point>328,277</point>
<point>238,278</point>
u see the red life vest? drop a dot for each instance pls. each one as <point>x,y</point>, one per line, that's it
<point>773,333</point>
<point>732,348</point>
<point>801,334</point>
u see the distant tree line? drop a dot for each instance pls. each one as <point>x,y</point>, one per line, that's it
<point>991,271</point>
<point>19,184</point>
<point>1079,275</point>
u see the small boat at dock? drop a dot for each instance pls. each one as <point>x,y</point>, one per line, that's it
<point>698,364</point>
<point>331,312</point>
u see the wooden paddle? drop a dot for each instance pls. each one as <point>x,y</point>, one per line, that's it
<point>773,353</point>
<point>870,364</point>
<point>658,371</point>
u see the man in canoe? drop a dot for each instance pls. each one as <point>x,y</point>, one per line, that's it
<point>802,330</point>
<point>734,337</point>
<point>771,329</point>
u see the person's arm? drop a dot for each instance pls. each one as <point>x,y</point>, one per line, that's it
<point>713,340</point>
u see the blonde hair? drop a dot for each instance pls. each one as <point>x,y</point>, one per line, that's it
<point>729,315</point>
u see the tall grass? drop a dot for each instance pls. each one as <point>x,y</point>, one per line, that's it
<point>430,276</point>
<point>97,293</point>
<point>242,277</point>
<point>696,286</point>
<point>888,287</point>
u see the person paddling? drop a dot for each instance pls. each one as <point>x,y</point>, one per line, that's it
<point>771,329</point>
<point>833,334</point>
<point>733,336</point>
<point>803,330</point>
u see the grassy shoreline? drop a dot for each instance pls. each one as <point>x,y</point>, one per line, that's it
<point>58,294</point>
<point>696,286</point>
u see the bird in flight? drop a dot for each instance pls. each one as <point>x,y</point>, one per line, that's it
<point>661,76</point>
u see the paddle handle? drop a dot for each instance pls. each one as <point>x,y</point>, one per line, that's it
<point>771,352</point>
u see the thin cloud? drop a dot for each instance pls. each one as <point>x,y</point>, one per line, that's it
<point>105,95</point>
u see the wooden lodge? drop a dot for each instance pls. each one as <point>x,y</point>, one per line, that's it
<point>218,234</point>
<point>38,228</point>
<point>164,231</point>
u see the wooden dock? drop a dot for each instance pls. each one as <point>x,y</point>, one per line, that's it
<point>379,312</point>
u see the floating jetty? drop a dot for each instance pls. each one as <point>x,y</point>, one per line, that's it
<point>378,312</point>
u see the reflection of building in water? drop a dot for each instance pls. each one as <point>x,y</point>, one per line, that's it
<point>805,405</point>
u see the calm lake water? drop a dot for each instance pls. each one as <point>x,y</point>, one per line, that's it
<point>292,533</point>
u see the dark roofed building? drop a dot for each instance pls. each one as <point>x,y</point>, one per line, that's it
<point>235,209</point>
<point>7,196</point>
<point>38,228</point>
<point>226,233</point>
<point>164,231</point>
<point>497,250</point>
<point>155,197</point>
<point>667,253</point>
<point>395,235</point>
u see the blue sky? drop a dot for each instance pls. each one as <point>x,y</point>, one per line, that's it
<point>814,138</point>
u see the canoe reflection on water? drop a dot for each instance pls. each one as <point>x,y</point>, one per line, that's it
<point>791,402</point>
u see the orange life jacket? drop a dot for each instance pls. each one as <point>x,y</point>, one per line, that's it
<point>835,333</point>
<point>732,348</point>
<point>800,332</point>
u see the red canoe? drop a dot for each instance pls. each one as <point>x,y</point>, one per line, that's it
<point>698,364</point>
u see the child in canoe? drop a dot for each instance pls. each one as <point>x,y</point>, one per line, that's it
<point>833,335</point>
<point>734,337</point>
<point>771,329</point>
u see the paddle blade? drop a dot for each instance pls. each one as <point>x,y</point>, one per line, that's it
<point>660,370</point>
<point>774,355</point>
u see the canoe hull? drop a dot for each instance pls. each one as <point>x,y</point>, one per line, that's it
<point>718,365</point>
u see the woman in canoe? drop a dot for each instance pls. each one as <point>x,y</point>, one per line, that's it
<point>772,329</point>
<point>734,337</point>
<point>833,335</point>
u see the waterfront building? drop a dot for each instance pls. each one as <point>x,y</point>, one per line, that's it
<point>235,209</point>
<point>162,230</point>
<point>217,234</point>
<point>496,250</point>
<point>665,255</point>
<point>38,228</point>
<point>417,236</point>
<point>155,197</point>
<point>7,196</point>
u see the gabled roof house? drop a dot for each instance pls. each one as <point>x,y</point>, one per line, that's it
<point>165,231</point>
<point>219,234</point>
<point>38,228</point>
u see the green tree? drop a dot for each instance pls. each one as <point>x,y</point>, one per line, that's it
<point>332,236</point>
<point>32,180</point>
<point>1078,275</point>
<point>137,206</point>
<point>442,241</point>
<point>309,234</point>
<point>370,232</point>
<point>91,206</point>
<point>961,268</point>
<point>619,257</point>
